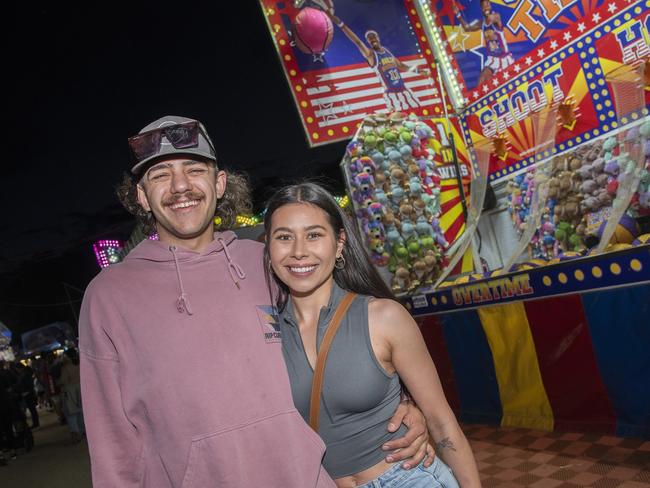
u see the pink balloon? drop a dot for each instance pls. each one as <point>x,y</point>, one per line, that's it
<point>312,30</point>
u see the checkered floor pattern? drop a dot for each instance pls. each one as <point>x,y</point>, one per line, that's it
<point>513,458</point>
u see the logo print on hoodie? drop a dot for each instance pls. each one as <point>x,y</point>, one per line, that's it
<point>268,317</point>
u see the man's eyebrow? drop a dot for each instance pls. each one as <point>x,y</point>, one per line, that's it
<point>160,166</point>
<point>190,162</point>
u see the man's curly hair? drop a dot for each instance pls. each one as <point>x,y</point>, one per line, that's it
<point>236,200</point>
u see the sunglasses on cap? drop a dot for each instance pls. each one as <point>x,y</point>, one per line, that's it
<point>181,136</point>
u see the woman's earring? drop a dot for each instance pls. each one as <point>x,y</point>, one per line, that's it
<point>339,263</point>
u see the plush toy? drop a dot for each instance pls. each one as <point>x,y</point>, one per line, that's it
<point>378,253</point>
<point>401,279</point>
<point>364,185</point>
<point>415,188</point>
<point>419,273</point>
<point>612,168</point>
<point>393,237</point>
<point>396,194</point>
<point>422,227</point>
<point>438,235</point>
<point>408,229</point>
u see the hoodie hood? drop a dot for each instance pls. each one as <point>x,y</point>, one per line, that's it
<point>162,252</point>
<point>159,252</point>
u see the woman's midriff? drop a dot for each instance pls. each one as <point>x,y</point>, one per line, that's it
<point>363,477</point>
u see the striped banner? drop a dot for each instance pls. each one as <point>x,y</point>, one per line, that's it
<point>578,362</point>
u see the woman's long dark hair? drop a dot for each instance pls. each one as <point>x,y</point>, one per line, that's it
<point>358,274</point>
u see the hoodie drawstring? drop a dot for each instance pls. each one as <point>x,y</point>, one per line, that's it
<point>233,268</point>
<point>183,301</point>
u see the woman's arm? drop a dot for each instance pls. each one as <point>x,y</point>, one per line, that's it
<point>399,345</point>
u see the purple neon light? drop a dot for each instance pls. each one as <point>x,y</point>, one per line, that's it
<point>107,252</point>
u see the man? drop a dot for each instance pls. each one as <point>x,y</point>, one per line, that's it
<point>183,380</point>
<point>494,38</point>
<point>387,67</point>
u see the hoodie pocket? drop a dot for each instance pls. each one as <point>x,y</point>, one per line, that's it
<point>276,451</point>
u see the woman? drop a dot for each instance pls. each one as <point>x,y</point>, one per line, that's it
<point>313,257</point>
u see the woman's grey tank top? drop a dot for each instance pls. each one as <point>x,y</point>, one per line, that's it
<point>358,398</point>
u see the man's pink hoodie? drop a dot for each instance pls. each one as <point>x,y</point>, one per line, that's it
<point>183,380</point>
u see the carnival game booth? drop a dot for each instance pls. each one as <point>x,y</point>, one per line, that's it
<point>535,307</point>
<point>551,329</point>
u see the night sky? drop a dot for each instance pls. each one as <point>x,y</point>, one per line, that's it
<point>84,78</point>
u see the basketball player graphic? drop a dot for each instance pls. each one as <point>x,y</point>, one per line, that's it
<point>494,39</point>
<point>388,68</point>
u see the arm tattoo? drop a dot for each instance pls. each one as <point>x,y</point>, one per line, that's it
<point>445,443</point>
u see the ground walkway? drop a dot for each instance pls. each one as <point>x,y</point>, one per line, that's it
<point>53,463</point>
<point>507,458</point>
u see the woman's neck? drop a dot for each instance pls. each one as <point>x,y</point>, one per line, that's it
<point>307,307</point>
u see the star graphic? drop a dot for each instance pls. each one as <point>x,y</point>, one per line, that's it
<point>540,53</point>
<point>529,61</point>
<point>455,72</point>
<point>567,36</point>
<point>517,68</point>
<point>458,38</point>
<point>581,27</point>
<point>553,44</point>
<point>328,111</point>
<point>485,88</point>
<point>596,17</point>
<point>318,58</point>
<point>505,75</point>
<point>611,8</point>
<point>475,94</point>
<point>461,86</point>
<point>495,82</point>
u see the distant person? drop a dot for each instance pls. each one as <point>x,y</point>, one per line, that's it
<point>386,66</point>
<point>71,395</point>
<point>25,388</point>
<point>7,442</point>
<point>317,261</point>
<point>182,376</point>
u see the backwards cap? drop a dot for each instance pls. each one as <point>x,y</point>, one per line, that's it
<point>205,148</point>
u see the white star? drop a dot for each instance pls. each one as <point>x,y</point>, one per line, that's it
<point>455,72</point>
<point>461,86</point>
<point>475,94</point>
<point>596,17</point>
<point>318,58</point>
<point>517,68</point>
<point>529,61</point>
<point>458,40</point>
<point>466,101</point>
<point>581,27</point>
<point>567,36</point>
<point>553,44</point>
<point>611,8</point>
<point>540,53</point>
<point>495,82</point>
<point>506,75</point>
<point>485,88</point>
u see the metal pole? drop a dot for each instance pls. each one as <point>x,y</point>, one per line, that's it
<point>74,312</point>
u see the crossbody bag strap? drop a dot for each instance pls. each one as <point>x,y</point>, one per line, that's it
<point>319,369</point>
